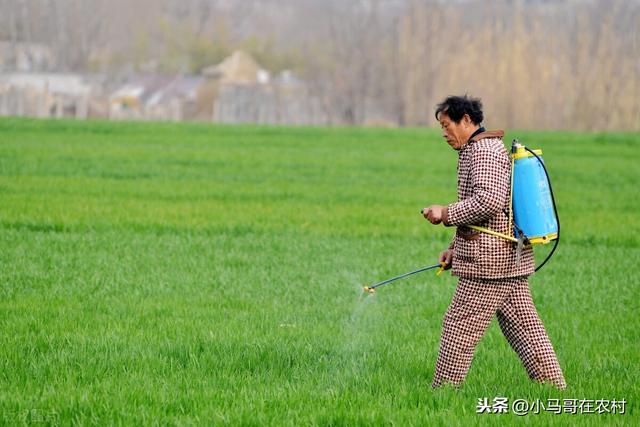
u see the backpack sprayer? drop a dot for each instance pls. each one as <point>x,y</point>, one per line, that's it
<point>532,206</point>
<point>532,209</point>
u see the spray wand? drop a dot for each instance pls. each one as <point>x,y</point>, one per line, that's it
<point>372,289</point>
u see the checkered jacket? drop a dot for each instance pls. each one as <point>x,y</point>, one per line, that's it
<point>484,181</point>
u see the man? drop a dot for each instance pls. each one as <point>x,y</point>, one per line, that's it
<point>492,277</point>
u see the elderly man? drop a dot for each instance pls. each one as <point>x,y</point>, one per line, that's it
<point>492,280</point>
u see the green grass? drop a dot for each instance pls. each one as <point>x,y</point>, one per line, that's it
<point>187,274</point>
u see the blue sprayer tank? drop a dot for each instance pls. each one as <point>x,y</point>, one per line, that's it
<point>533,209</point>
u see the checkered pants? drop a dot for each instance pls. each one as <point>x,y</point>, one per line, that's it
<point>468,317</point>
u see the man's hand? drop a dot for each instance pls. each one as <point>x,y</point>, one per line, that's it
<point>433,213</point>
<point>446,256</point>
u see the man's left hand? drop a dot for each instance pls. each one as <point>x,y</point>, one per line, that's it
<point>433,213</point>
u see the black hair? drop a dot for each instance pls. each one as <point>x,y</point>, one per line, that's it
<point>457,106</point>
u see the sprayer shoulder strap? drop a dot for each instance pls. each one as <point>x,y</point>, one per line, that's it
<point>511,238</point>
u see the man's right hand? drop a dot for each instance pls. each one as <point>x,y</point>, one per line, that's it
<point>446,256</point>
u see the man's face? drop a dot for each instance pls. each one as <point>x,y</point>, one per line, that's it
<point>456,134</point>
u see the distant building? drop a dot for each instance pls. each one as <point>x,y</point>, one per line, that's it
<point>239,68</point>
<point>239,90</point>
<point>156,97</point>
<point>176,101</point>
<point>47,95</point>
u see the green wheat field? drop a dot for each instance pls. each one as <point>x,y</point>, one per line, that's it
<point>190,274</point>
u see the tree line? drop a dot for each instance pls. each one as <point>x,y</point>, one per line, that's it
<point>543,64</point>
